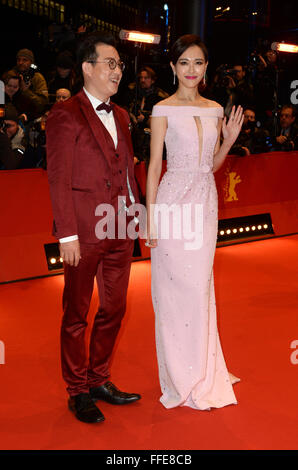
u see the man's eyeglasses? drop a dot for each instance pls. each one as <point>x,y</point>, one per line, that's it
<point>111,62</point>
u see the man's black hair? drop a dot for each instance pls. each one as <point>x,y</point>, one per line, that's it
<point>87,47</point>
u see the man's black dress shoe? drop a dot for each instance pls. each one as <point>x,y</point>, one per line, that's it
<point>110,393</point>
<point>84,408</point>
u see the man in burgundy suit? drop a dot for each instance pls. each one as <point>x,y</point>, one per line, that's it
<point>90,162</point>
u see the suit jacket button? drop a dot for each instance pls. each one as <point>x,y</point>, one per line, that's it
<point>117,155</point>
<point>120,171</point>
<point>108,184</point>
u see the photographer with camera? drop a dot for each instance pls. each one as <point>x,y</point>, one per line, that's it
<point>32,83</point>
<point>265,73</point>
<point>36,150</point>
<point>24,105</point>
<point>286,137</point>
<point>231,88</point>
<point>12,139</point>
<point>251,139</point>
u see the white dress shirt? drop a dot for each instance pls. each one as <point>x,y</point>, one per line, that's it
<point>109,122</point>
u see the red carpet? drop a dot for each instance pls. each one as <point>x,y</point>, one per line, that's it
<point>256,289</point>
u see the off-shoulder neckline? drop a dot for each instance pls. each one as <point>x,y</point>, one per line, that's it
<point>186,106</point>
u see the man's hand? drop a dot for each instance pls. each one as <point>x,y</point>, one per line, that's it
<point>231,82</point>
<point>281,139</point>
<point>70,252</point>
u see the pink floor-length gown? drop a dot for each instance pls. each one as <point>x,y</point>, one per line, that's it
<point>192,369</point>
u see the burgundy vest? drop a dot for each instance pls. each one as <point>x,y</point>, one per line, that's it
<point>118,156</point>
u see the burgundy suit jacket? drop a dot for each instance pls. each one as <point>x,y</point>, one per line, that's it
<point>79,165</point>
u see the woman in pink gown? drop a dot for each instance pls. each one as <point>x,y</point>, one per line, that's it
<point>192,369</point>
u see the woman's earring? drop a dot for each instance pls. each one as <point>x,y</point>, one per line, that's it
<point>174,81</point>
<point>204,79</point>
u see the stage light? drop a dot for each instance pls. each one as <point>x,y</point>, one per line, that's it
<point>138,36</point>
<point>165,7</point>
<point>245,227</point>
<point>54,260</point>
<point>282,47</point>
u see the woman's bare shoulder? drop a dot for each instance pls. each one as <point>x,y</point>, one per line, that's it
<point>213,104</point>
<point>166,102</point>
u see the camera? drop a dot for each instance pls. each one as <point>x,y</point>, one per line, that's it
<point>225,74</point>
<point>29,74</point>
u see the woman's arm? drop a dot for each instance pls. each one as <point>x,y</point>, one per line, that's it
<point>158,132</point>
<point>230,133</point>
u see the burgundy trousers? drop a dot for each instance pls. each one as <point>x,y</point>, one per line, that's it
<point>109,261</point>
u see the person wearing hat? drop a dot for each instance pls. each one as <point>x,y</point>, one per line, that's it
<point>33,85</point>
<point>63,77</point>
<point>12,140</point>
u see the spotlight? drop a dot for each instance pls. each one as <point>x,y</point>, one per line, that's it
<point>235,230</point>
<point>282,47</point>
<point>228,231</point>
<point>222,232</point>
<point>259,227</point>
<point>265,226</point>
<point>241,229</point>
<point>253,227</point>
<point>247,229</point>
<point>137,36</point>
<point>53,260</point>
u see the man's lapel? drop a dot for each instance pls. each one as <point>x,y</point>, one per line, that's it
<point>122,127</point>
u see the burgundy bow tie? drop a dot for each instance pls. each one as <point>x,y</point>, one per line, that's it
<point>105,106</point>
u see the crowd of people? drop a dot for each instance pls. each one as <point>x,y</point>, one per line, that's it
<point>29,96</point>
